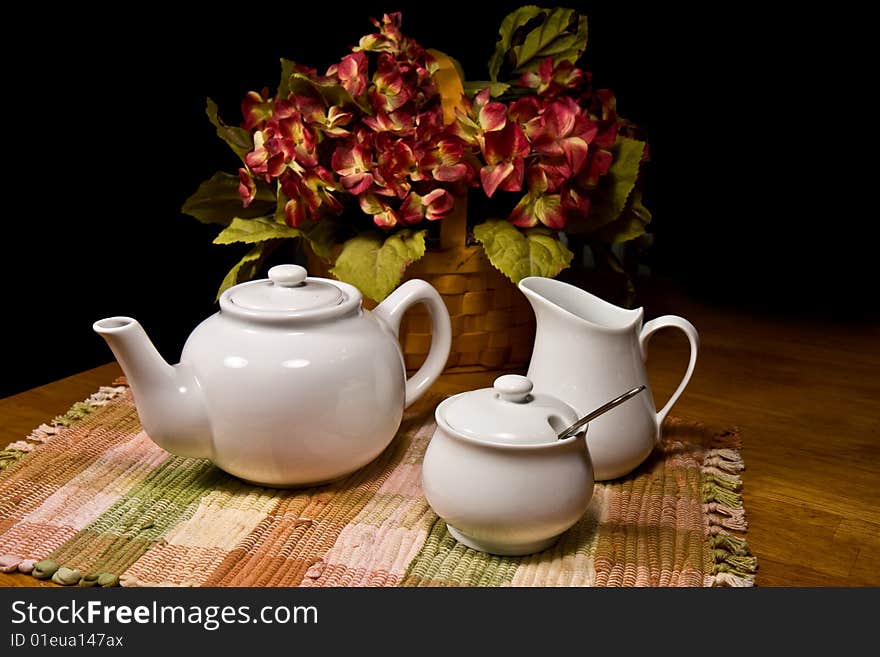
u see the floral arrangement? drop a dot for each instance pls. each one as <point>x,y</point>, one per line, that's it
<point>362,160</point>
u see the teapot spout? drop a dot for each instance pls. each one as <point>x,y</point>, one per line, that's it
<point>168,398</point>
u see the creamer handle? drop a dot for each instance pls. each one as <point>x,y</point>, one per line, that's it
<point>391,310</point>
<point>693,337</point>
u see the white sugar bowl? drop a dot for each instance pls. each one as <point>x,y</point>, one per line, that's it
<point>496,472</point>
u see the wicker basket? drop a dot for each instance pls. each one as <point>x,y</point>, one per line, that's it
<point>493,326</point>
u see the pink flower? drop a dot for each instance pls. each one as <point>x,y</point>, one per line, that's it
<point>430,124</point>
<point>401,122</point>
<point>603,107</point>
<point>267,159</point>
<point>561,130</point>
<point>352,73</point>
<point>434,205</point>
<point>388,91</point>
<point>297,140</point>
<point>284,141</point>
<point>525,109</point>
<point>552,80</point>
<point>481,116</point>
<point>546,208</point>
<point>383,214</point>
<point>256,109</point>
<point>395,165</point>
<point>247,189</point>
<point>313,110</point>
<point>597,166</point>
<point>353,163</point>
<point>333,123</point>
<point>492,115</point>
<point>538,205</point>
<point>310,108</point>
<point>504,151</point>
<point>445,161</point>
<point>303,199</point>
<point>575,201</point>
<point>388,39</point>
<point>307,194</point>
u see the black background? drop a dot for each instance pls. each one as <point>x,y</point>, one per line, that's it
<point>105,137</point>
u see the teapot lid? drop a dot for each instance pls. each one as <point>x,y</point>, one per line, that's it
<point>287,290</point>
<point>509,412</point>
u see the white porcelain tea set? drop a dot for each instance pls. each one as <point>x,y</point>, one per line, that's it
<point>293,383</point>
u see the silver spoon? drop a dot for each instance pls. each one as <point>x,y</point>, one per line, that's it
<point>604,408</point>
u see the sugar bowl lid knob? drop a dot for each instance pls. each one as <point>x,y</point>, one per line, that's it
<point>513,388</point>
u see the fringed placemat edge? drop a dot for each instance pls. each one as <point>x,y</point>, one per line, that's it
<point>44,433</point>
<point>733,564</point>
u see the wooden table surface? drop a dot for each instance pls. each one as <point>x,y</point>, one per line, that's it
<point>804,394</point>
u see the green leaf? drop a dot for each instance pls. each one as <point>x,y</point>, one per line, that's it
<point>320,237</point>
<point>332,93</point>
<point>562,35</point>
<point>240,140</point>
<point>530,34</point>
<point>286,71</point>
<point>610,198</point>
<point>217,201</point>
<point>512,23</point>
<point>517,254</point>
<point>473,87</point>
<point>257,229</point>
<point>246,268</point>
<point>375,263</point>
<point>631,224</point>
<point>280,204</point>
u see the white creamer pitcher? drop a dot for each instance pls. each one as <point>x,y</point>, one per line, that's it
<point>588,350</point>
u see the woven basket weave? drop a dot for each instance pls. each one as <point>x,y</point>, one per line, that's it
<point>493,325</point>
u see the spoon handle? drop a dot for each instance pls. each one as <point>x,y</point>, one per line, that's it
<point>604,408</point>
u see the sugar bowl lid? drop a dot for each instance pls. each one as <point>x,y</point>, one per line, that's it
<point>509,412</point>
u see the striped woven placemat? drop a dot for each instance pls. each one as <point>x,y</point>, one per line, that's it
<point>89,499</point>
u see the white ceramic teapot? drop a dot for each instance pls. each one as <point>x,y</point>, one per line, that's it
<point>497,473</point>
<point>291,383</point>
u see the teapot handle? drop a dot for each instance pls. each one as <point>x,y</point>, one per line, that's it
<point>693,337</point>
<point>391,310</point>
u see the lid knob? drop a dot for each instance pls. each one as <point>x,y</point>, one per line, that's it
<point>513,388</point>
<point>288,275</point>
